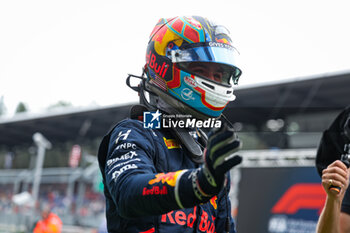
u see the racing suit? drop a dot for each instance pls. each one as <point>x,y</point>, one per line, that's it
<point>140,169</point>
<point>345,206</point>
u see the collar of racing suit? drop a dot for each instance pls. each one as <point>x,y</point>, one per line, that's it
<point>194,146</point>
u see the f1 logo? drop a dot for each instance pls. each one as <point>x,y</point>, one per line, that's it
<point>151,120</point>
<point>301,196</point>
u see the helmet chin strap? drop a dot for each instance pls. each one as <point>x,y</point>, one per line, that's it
<point>173,103</point>
<point>167,104</point>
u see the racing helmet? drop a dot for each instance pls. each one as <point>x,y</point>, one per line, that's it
<point>174,45</point>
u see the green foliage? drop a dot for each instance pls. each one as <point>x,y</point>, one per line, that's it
<point>59,104</point>
<point>21,107</point>
<point>2,106</point>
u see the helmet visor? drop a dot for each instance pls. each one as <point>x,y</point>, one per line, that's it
<point>214,72</point>
<point>221,53</point>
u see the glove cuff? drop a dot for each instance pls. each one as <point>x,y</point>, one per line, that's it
<point>207,183</point>
<point>190,189</point>
<point>209,176</point>
<point>197,185</point>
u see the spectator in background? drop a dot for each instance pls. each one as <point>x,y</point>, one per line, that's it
<point>9,160</point>
<point>49,223</point>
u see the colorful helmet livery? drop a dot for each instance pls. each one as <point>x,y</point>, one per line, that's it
<point>177,42</point>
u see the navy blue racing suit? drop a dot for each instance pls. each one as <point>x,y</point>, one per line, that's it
<point>140,169</point>
<point>345,207</point>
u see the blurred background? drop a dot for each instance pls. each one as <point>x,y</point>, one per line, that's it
<point>62,87</point>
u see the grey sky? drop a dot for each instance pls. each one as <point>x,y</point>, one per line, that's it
<point>81,51</point>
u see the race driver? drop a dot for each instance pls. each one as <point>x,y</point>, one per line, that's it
<point>175,179</point>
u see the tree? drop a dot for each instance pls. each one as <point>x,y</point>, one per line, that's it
<point>21,107</point>
<point>60,103</point>
<point>2,106</point>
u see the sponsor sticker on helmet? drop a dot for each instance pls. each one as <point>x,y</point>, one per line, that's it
<point>187,94</point>
<point>190,81</point>
<point>193,22</point>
